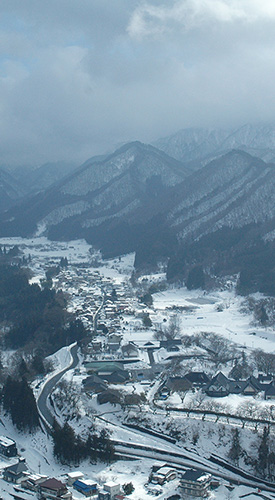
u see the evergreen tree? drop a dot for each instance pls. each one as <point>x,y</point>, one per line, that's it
<point>63,262</point>
<point>146,299</point>
<point>128,488</point>
<point>196,278</point>
<point>23,369</point>
<point>19,401</point>
<point>262,315</point>
<point>146,320</point>
<point>263,452</point>
<point>105,447</point>
<point>70,448</point>
<point>235,449</point>
<point>38,364</point>
<point>64,443</point>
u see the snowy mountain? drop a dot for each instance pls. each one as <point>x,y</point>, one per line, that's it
<point>126,181</point>
<point>234,190</point>
<point>139,199</point>
<point>37,179</point>
<point>10,190</point>
<point>197,146</point>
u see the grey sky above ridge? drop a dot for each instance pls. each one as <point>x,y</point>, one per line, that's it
<point>78,77</point>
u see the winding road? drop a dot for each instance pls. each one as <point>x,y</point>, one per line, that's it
<point>44,412</point>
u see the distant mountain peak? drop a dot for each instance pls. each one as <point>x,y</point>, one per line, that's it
<point>197,146</point>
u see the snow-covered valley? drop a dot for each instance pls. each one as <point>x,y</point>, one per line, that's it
<point>208,332</point>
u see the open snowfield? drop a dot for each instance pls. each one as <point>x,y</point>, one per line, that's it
<point>229,321</point>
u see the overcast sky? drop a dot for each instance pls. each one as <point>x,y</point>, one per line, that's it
<point>78,77</point>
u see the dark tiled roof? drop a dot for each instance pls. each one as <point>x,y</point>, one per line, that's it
<point>197,377</point>
<point>193,475</point>
<point>53,484</point>
<point>17,468</point>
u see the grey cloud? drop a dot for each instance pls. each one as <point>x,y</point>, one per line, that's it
<point>78,77</point>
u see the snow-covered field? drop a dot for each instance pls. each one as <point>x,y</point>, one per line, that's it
<point>228,322</point>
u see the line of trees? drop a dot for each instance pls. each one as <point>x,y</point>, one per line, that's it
<point>71,448</point>
<point>18,400</point>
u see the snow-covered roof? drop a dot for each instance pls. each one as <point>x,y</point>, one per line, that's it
<point>5,441</point>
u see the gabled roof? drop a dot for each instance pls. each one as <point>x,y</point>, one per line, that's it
<point>252,380</point>
<point>237,386</point>
<point>129,347</point>
<point>108,397</point>
<point>197,377</point>
<point>178,384</point>
<point>95,387</point>
<point>17,468</point>
<point>118,376</point>
<point>93,379</point>
<point>194,475</point>
<point>220,378</point>
<point>149,344</point>
<point>53,484</point>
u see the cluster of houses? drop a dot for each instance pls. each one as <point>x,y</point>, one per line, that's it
<point>193,483</point>
<point>90,289</point>
<point>100,375</point>
<point>45,488</point>
<point>219,385</point>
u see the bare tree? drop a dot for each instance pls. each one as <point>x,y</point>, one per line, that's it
<point>172,330</point>
<point>265,361</point>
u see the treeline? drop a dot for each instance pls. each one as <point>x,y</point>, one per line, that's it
<point>36,317</point>
<point>71,448</point>
<point>18,400</point>
<point>227,252</point>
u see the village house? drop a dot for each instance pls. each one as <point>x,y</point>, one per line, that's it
<point>52,489</point>
<point>15,473</point>
<point>170,345</point>
<point>116,377</point>
<point>32,481</point>
<point>87,489</point>
<point>129,350</point>
<point>195,483</point>
<point>198,379</point>
<point>114,338</point>
<point>108,396</point>
<point>7,447</point>
<point>94,384</point>
<point>163,475</point>
<point>174,385</point>
<point>112,488</point>
<point>221,386</point>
